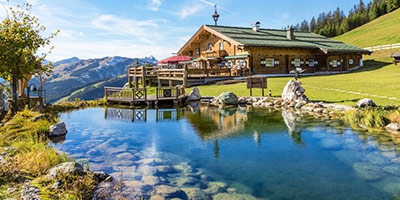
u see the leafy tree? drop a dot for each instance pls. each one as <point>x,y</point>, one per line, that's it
<point>21,39</point>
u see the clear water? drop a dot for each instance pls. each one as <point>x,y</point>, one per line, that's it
<point>246,151</point>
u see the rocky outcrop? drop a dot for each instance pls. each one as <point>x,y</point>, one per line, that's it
<point>194,95</point>
<point>365,103</point>
<point>294,92</point>
<point>58,129</point>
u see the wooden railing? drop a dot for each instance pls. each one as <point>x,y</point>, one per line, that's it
<point>171,74</point>
<point>133,95</point>
<point>173,93</point>
<point>143,71</point>
<point>178,74</point>
<point>125,95</point>
<point>213,72</point>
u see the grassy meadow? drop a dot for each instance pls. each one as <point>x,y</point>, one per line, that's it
<point>384,30</point>
<point>377,80</point>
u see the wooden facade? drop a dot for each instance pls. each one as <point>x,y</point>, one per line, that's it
<point>249,51</point>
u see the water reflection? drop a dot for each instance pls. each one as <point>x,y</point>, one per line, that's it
<point>291,122</point>
<point>243,150</point>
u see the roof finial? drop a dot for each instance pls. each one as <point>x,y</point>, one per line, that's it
<point>215,16</point>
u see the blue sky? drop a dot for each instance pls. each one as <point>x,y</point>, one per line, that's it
<point>140,28</point>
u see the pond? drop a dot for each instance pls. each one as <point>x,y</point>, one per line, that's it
<point>242,153</point>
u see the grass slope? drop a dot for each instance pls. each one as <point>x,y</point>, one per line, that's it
<point>384,30</point>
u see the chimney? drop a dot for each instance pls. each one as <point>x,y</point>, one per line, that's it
<point>290,33</point>
<point>256,26</point>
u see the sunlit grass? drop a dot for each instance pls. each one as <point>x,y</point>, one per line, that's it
<point>377,80</point>
<point>29,155</point>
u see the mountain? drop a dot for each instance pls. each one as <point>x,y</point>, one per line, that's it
<point>66,61</point>
<point>88,77</point>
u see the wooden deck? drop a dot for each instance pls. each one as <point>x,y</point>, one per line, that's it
<point>138,78</point>
<point>187,77</point>
<point>139,95</point>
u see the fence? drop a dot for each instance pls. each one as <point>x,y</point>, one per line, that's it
<point>383,47</point>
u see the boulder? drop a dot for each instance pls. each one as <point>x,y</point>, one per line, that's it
<point>194,95</point>
<point>365,103</point>
<point>294,92</point>
<point>393,127</point>
<point>65,168</point>
<point>227,98</point>
<point>58,129</point>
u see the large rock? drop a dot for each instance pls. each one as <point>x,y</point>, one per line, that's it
<point>58,129</point>
<point>294,92</point>
<point>365,103</point>
<point>194,95</point>
<point>393,127</point>
<point>65,168</point>
<point>227,98</point>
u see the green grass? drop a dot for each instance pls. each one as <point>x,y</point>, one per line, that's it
<point>384,30</point>
<point>377,80</point>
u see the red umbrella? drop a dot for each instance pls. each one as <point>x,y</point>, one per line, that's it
<point>175,59</point>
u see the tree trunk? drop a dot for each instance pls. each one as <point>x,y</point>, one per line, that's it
<point>14,89</point>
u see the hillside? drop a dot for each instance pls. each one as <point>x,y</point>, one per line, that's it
<point>384,30</point>
<point>88,76</point>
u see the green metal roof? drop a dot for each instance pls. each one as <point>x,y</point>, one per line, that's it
<point>278,38</point>
<point>237,56</point>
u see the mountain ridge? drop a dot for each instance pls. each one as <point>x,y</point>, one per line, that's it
<point>72,74</point>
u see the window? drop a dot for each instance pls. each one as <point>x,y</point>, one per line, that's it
<point>197,51</point>
<point>311,62</point>
<point>229,63</point>
<point>221,46</point>
<point>210,45</point>
<point>269,62</point>
<point>297,62</point>
<point>334,63</point>
<point>241,63</point>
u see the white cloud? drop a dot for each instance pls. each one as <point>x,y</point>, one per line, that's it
<point>154,5</point>
<point>190,9</point>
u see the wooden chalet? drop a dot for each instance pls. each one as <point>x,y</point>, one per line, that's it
<point>217,53</point>
<point>253,50</point>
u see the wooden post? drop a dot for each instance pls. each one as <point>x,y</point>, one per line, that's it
<point>133,95</point>
<point>185,78</point>
<point>143,77</point>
